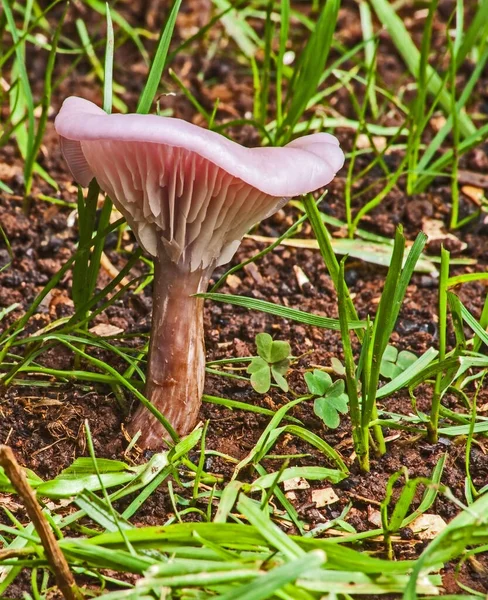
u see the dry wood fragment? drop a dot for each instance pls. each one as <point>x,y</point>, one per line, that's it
<point>302,279</point>
<point>473,178</point>
<point>59,565</point>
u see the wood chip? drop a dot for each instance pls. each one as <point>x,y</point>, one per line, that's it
<point>324,497</point>
<point>473,178</point>
<point>296,483</point>
<point>253,271</point>
<point>105,330</point>
<point>233,282</point>
<point>475,194</point>
<point>437,122</point>
<point>427,527</point>
<point>302,280</point>
<point>364,142</point>
<point>8,172</point>
<point>420,14</point>
<point>291,496</point>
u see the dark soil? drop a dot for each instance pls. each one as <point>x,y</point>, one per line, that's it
<point>45,424</point>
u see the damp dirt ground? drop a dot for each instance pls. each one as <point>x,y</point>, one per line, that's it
<point>44,425</point>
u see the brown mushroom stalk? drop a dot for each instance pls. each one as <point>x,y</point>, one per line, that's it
<point>176,360</point>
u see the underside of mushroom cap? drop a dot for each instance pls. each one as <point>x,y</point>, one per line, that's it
<point>189,189</point>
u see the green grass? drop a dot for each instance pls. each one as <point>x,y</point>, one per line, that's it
<point>227,536</point>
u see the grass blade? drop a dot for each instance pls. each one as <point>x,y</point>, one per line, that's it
<point>281,311</point>
<point>159,62</point>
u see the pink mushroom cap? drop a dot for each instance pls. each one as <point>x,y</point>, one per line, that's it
<point>191,189</point>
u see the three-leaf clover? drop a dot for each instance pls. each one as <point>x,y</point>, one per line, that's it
<point>393,362</point>
<point>331,400</point>
<point>272,360</point>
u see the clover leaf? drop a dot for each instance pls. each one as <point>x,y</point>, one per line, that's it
<point>331,399</point>
<point>393,363</point>
<point>272,361</point>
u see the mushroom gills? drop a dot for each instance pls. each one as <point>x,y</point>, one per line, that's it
<point>196,209</point>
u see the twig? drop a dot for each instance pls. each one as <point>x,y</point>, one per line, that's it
<point>64,577</point>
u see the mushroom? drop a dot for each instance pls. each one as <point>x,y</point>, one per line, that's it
<point>189,195</point>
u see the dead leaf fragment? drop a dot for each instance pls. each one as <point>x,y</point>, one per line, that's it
<point>434,230</point>
<point>105,330</point>
<point>8,502</point>
<point>296,483</point>
<point>324,497</point>
<point>374,517</point>
<point>427,527</point>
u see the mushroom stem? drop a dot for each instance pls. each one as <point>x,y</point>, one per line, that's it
<point>176,361</point>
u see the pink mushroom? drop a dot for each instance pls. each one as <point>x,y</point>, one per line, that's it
<point>189,195</point>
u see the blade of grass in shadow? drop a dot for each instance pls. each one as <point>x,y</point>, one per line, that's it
<point>437,141</point>
<point>360,447</point>
<point>159,62</point>
<point>419,116</point>
<point>109,64</point>
<point>20,59</point>
<point>124,25</point>
<point>369,52</point>
<point>99,71</point>
<point>284,29</point>
<point>433,424</point>
<point>478,27</point>
<point>33,149</point>
<point>310,66</point>
<point>391,300</point>
<point>437,167</point>
<point>410,54</point>
<point>330,260</point>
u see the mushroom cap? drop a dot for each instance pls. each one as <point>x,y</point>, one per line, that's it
<point>186,190</point>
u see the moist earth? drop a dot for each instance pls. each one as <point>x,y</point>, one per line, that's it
<point>44,424</point>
